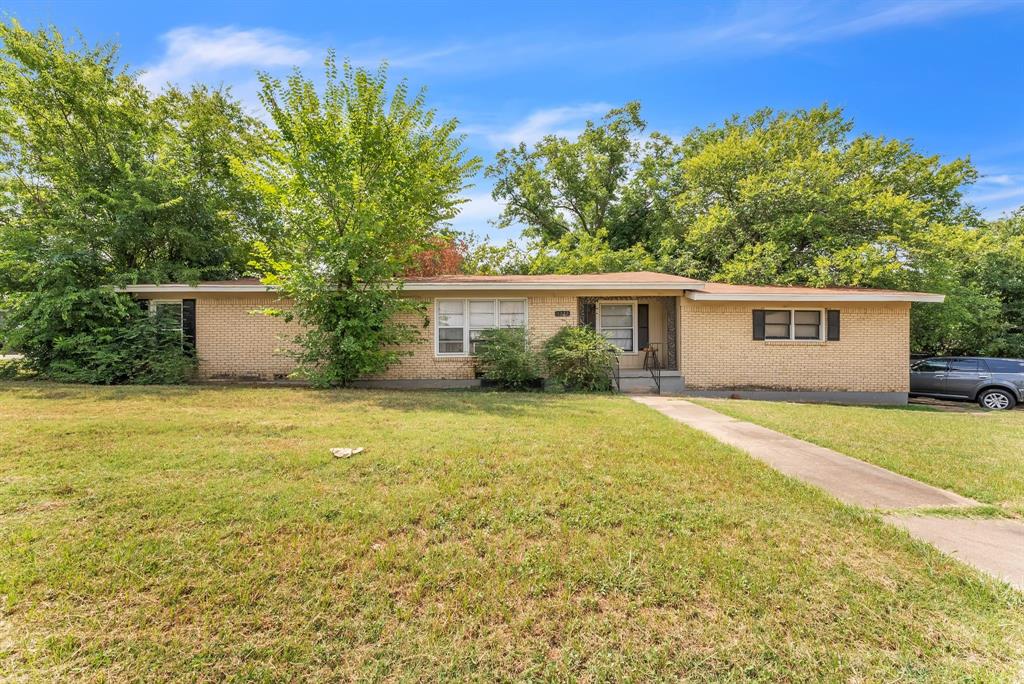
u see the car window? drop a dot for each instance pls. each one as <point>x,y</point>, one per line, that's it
<point>963,366</point>
<point>1005,365</point>
<point>930,366</point>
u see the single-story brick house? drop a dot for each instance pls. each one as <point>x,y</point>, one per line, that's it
<point>834,344</point>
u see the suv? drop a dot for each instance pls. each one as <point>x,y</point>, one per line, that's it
<point>994,383</point>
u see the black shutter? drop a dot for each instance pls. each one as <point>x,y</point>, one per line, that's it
<point>758,324</point>
<point>643,327</point>
<point>588,315</point>
<point>188,324</point>
<point>833,325</point>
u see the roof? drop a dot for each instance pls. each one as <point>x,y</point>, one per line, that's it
<point>634,280</point>
<point>637,280</point>
<point>794,293</point>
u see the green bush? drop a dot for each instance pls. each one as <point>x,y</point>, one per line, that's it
<point>580,359</point>
<point>505,357</point>
<point>95,336</point>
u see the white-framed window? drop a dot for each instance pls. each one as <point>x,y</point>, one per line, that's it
<point>617,322</point>
<point>794,324</point>
<point>459,323</point>
<point>167,313</point>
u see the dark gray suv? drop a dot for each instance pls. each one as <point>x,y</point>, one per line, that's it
<point>994,383</point>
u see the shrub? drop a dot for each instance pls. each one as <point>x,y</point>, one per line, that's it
<point>95,336</point>
<point>580,359</point>
<point>505,357</point>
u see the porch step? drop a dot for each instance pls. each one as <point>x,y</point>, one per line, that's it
<point>637,385</point>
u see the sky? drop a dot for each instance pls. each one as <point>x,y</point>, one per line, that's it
<point>947,75</point>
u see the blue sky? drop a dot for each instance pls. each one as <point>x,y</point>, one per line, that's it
<point>949,75</point>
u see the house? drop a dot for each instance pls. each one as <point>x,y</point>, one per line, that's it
<point>829,344</point>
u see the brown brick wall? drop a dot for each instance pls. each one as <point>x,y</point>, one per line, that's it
<point>717,349</point>
<point>424,364</point>
<point>715,346</point>
<point>234,340</point>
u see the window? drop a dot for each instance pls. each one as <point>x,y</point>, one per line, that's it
<point>776,325</point>
<point>963,365</point>
<point>930,366</point>
<point>451,326</point>
<point>167,315</point>
<point>481,317</point>
<point>461,322</point>
<point>793,324</point>
<point>617,322</point>
<point>1005,365</point>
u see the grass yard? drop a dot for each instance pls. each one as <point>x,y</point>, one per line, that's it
<point>977,454</point>
<point>207,534</point>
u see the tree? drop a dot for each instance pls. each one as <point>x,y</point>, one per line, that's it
<point>791,197</point>
<point>563,186</point>
<point>360,183</point>
<point>102,184</point>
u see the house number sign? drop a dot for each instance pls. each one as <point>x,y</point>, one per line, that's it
<point>562,314</point>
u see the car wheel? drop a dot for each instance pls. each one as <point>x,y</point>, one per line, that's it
<point>996,400</point>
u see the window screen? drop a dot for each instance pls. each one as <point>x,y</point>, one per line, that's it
<point>616,324</point>
<point>451,326</point>
<point>776,325</point>
<point>807,325</point>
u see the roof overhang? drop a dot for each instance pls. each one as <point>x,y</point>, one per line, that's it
<point>560,286</point>
<point>434,286</point>
<point>180,288</point>
<point>815,297</point>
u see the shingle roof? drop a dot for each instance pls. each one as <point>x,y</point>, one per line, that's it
<point>634,280</point>
<point>712,291</point>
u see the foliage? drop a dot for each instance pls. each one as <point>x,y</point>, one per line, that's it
<point>580,359</point>
<point>442,255</point>
<point>563,187</point>
<point>97,337</point>
<point>506,357</point>
<point>103,184</point>
<point>360,183</point>
<point>772,198</point>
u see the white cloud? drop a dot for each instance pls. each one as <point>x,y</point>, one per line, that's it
<point>197,52</point>
<point>566,121</point>
<point>478,212</point>
<point>997,193</point>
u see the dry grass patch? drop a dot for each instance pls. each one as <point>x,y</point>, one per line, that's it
<point>207,533</point>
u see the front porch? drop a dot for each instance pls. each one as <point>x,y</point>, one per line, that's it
<point>645,329</point>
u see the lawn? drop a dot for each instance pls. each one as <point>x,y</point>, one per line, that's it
<point>978,454</point>
<point>207,534</point>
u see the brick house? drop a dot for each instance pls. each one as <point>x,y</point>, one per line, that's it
<point>830,344</point>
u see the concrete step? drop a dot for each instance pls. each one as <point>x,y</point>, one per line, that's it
<point>638,385</point>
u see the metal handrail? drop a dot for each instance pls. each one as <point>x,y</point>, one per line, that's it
<point>652,363</point>
<point>616,374</point>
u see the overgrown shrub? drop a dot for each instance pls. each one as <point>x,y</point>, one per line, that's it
<point>95,336</point>
<point>580,359</point>
<point>505,357</point>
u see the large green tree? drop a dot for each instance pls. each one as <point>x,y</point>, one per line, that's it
<point>597,182</point>
<point>781,198</point>
<point>361,180</point>
<point>102,184</point>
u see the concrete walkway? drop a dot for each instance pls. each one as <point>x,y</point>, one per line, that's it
<point>994,546</point>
